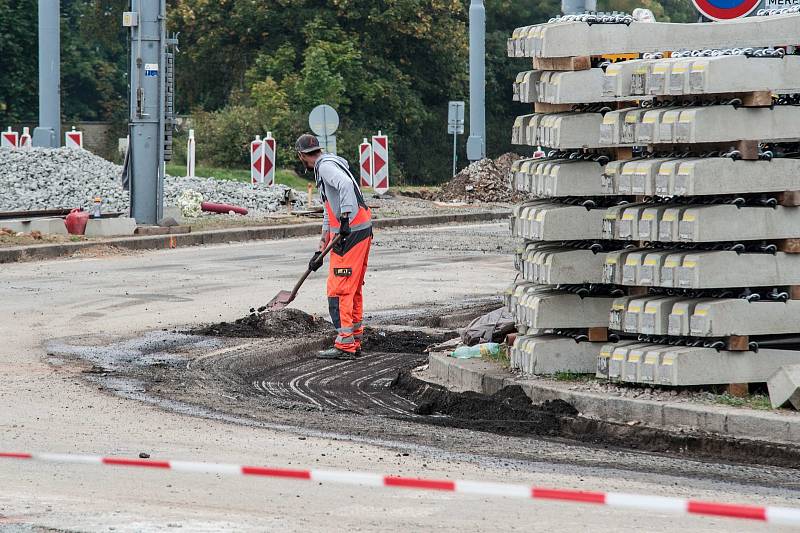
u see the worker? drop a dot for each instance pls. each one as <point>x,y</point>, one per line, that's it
<point>346,214</point>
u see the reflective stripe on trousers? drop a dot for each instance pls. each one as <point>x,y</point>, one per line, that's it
<point>345,281</point>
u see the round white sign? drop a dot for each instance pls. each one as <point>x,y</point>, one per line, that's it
<point>323,120</point>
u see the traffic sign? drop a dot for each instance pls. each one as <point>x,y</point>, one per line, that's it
<point>257,161</point>
<point>73,139</point>
<point>269,148</point>
<point>365,163</point>
<point>725,9</point>
<point>455,117</point>
<point>9,139</point>
<point>380,163</point>
<point>323,120</point>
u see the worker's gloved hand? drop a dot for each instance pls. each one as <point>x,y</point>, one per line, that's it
<point>315,262</point>
<point>344,228</point>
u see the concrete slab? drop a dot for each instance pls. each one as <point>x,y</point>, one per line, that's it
<point>547,308</point>
<point>734,316</point>
<point>50,226</point>
<point>784,386</point>
<point>565,39</point>
<point>110,227</point>
<point>722,175</point>
<point>549,354</point>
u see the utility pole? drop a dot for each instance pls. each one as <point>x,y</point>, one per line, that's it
<point>476,143</point>
<point>149,128</point>
<point>48,133</point>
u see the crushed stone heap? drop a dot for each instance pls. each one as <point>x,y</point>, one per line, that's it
<point>489,180</point>
<point>44,178</point>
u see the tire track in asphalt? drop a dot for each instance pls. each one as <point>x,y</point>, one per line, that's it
<point>359,386</point>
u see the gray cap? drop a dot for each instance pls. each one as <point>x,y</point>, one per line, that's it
<point>307,143</point>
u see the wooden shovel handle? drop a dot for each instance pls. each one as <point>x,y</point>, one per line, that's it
<point>308,271</point>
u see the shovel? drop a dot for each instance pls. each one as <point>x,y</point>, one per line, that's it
<point>284,298</point>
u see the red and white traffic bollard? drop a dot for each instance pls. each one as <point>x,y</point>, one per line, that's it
<point>270,152</point>
<point>25,139</point>
<point>365,163</point>
<point>9,139</point>
<point>380,163</point>
<point>256,160</point>
<point>73,139</point>
<point>190,147</point>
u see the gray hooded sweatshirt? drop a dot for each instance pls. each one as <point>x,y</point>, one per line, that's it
<point>338,186</point>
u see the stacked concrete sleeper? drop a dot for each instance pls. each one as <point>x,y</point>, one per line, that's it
<point>680,251</point>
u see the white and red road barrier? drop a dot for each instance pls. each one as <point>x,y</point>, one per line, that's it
<point>661,504</point>
<point>270,152</point>
<point>365,163</point>
<point>257,160</point>
<point>380,163</point>
<point>190,155</point>
<point>262,160</point>
<point>9,139</point>
<point>25,142</point>
<point>73,139</point>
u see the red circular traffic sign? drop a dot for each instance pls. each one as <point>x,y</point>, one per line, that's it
<point>725,9</point>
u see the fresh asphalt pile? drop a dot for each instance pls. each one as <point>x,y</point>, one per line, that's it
<point>487,180</point>
<point>281,323</point>
<point>44,178</point>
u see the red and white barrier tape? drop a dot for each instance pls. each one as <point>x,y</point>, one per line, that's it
<point>772,515</point>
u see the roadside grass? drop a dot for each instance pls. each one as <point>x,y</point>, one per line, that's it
<point>282,176</point>
<point>501,358</point>
<point>572,376</point>
<point>753,401</point>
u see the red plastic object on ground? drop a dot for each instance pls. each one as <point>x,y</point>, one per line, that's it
<point>76,222</point>
<point>211,207</point>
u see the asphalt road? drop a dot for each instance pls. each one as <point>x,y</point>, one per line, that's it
<point>49,408</point>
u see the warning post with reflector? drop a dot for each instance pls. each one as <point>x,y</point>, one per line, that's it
<point>365,163</point>
<point>256,160</point>
<point>380,163</point>
<point>25,139</point>
<point>73,139</point>
<point>9,139</point>
<point>269,150</point>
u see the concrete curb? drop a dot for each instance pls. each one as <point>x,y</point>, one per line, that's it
<point>484,377</point>
<point>221,236</point>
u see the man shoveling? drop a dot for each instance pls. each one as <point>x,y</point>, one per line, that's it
<point>345,214</point>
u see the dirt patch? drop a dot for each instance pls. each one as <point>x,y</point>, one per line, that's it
<point>511,412</point>
<point>282,323</point>
<point>410,342</point>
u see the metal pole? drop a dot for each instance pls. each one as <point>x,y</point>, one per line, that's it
<point>148,47</point>
<point>476,144</point>
<point>454,153</point>
<point>48,134</point>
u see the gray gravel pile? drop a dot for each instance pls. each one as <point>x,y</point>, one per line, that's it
<point>64,178</point>
<point>45,179</point>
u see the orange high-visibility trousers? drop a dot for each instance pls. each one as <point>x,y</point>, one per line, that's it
<point>348,266</point>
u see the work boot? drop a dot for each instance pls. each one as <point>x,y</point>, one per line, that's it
<point>335,353</point>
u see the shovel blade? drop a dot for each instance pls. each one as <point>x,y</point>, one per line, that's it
<point>281,300</point>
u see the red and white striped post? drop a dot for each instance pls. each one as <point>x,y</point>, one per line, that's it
<point>25,139</point>
<point>9,139</point>
<point>257,160</point>
<point>190,155</point>
<point>73,139</point>
<point>270,152</point>
<point>365,163</point>
<point>380,163</point>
